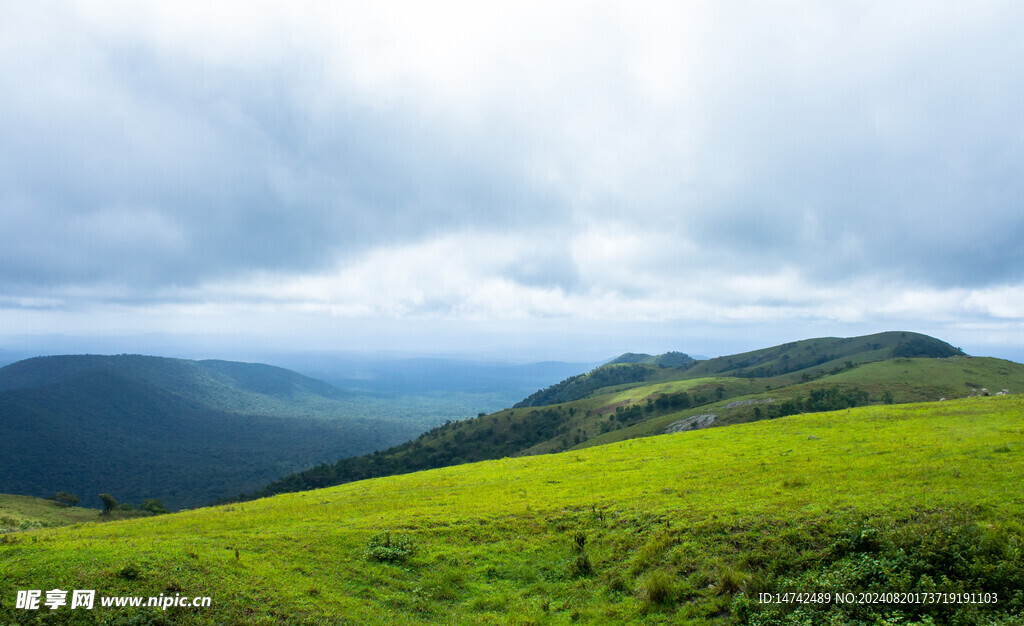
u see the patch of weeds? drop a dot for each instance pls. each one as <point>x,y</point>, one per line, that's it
<point>387,548</point>
<point>653,552</point>
<point>443,584</point>
<point>944,551</point>
<point>130,572</point>
<point>140,619</point>
<point>580,565</point>
<point>730,581</point>
<point>658,587</point>
<point>616,584</point>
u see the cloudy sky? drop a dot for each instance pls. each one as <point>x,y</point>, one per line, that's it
<point>565,179</point>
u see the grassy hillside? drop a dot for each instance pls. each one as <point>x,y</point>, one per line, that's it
<point>25,512</point>
<point>637,398</point>
<point>825,354</point>
<point>186,432</point>
<point>906,380</point>
<point>683,528</point>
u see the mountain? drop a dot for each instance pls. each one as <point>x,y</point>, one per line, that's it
<point>639,398</point>
<point>669,359</point>
<point>826,353</point>
<point>910,512</point>
<point>185,432</point>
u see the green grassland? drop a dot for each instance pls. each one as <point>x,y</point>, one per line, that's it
<point>23,512</point>
<point>682,528</point>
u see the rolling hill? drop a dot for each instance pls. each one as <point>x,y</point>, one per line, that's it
<point>27,512</point>
<point>637,396</point>
<point>882,514</point>
<point>185,432</point>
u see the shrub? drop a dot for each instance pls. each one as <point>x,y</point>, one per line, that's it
<point>388,548</point>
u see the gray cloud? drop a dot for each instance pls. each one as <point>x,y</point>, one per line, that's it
<point>621,155</point>
<point>160,171</point>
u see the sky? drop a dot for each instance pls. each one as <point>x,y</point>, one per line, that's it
<point>565,180</point>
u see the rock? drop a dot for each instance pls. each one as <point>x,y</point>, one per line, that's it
<point>691,423</point>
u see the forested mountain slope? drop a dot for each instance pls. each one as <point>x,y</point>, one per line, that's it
<point>186,432</point>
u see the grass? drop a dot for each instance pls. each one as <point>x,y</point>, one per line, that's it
<point>684,528</point>
<point>908,380</point>
<point>21,512</point>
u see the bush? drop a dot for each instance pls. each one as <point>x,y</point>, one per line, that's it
<point>387,548</point>
<point>945,551</point>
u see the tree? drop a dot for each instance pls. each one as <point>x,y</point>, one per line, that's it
<point>109,503</point>
<point>64,498</point>
<point>154,506</point>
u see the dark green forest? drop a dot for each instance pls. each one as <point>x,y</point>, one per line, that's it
<point>185,432</point>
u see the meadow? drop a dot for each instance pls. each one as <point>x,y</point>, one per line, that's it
<point>683,528</point>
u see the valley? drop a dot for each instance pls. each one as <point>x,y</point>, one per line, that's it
<point>651,489</point>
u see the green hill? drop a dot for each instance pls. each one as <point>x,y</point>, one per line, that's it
<point>669,359</point>
<point>185,432</point>
<point>683,528</point>
<point>638,398</point>
<point>825,354</point>
<point>26,512</point>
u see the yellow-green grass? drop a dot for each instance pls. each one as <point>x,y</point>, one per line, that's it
<point>21,512</point>
<point>953,377</point>
<point>676,528</point>
<point>640,392</point>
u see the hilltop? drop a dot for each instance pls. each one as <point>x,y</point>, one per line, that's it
<point>687,527</point>
<point>640,395</point>
<point>185,432</point>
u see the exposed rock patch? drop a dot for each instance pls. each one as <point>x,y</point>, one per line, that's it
<point>691,423</point>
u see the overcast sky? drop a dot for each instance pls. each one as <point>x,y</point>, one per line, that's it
<point>564,179</point>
